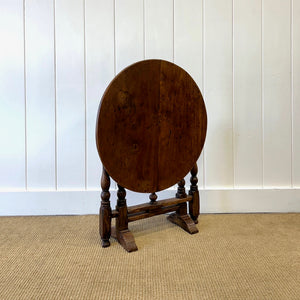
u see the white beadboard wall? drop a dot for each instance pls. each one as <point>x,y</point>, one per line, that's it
<point>58,56</point>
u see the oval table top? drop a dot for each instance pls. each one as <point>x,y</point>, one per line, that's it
<point>151,126</point>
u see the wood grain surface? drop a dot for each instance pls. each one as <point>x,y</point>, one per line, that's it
<point>151,126</point>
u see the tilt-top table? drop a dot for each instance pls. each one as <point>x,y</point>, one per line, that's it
<point>150,131</point>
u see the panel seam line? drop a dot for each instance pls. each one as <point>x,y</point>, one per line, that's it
<point>25,98</point>
<point>85,98</point>
<point>55,91</point>
<point>292,90</point>
<point>262,94</point>
<point>203,82</point>
<point>233,101</point>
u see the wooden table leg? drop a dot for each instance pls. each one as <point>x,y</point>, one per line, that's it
<point>105,210</point>
<point>180,217</point>
<point>183,220</point>
<point>194,204</point>
<point>121,231</point>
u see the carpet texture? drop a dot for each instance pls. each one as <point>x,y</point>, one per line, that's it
<point>234,256</point>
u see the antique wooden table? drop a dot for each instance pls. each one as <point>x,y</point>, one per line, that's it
<point>150,131</point>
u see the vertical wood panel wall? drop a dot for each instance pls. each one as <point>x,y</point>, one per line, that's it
<point>40,98</point>
<point>58,56</point>
<point>13,148</point>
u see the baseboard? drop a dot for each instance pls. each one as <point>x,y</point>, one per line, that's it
<point>87,202</point>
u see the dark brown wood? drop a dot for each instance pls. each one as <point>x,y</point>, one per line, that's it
<point>194,205</point>
<point>182,219</point>
<point>114,214</point>
<point>152,197</point>
<point>105,210</point>
<point>125,238</point>
<point>121,221</point>
<point>151,126</point>
<point>181,189</point>
<point>143,211</point>
<point>155,212</point>
<point>121,231</point>
<point>145,207</point>
<point>150,131</point>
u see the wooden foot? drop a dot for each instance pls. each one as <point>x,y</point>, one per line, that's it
<point>105,243</point>
<point>125,238</point>
<point>184,221</point>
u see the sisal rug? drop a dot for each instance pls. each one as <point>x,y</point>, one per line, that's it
<point>234,256</point>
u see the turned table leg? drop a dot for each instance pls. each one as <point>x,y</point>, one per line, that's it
<point>180,217</point>
<point>121,231</point>
<point>194,204</point>
<point>105,210</point>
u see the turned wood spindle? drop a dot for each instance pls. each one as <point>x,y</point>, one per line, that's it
<point>122,220</point>
<point>194,205</point>
<point>152,197</point>
<point>105,210</point>
<point>121,196</point>
<point>194,180</point>
<point>181,189</point>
